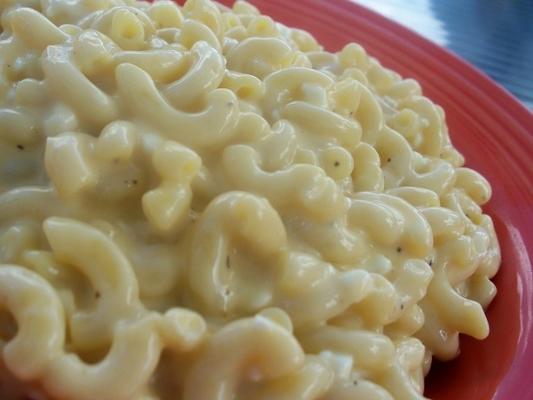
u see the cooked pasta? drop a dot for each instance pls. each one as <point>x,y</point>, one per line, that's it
<point>201,203</point>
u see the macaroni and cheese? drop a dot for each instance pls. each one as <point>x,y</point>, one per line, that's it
<point>201,203</point>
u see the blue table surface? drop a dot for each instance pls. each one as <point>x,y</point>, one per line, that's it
<point>494,35</point>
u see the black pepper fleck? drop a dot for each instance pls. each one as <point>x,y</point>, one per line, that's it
<point>389,159</point>
<point>134,181</point>
<point>20,147</point>
<point>97,295</point>
<point>228,262</point>
<point>355,382</point>
<point>430,263</point>
<point>337,163</point>
<point>399,249</point>
<point>402,306</point>
<point>227,292</point>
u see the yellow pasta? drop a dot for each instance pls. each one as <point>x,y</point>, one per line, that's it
<point>198,202</point>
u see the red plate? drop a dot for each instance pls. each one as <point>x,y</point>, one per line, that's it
<point>495,133</point>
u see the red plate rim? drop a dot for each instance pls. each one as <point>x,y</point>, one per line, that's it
<point>482,103</point>
<point>471,99</point>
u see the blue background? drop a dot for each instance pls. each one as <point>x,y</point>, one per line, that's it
<point>494,35</point>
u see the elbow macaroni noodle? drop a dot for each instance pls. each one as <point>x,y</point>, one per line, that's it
<point>200,203</point>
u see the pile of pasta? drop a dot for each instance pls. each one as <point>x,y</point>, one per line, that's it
<point>200,203</point>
